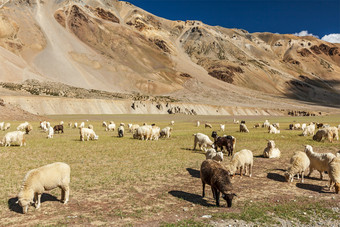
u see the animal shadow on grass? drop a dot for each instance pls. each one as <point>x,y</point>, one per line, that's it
<point>276,177</point>
<point>14,206</point>
<point>193,198</point>
<point>312,187</point>
<point>194,172</point>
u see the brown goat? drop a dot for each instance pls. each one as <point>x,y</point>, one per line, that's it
<point>213,174</point>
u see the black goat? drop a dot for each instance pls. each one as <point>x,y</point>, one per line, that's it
<point>224,141</point>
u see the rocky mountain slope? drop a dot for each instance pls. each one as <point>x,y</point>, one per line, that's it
<point>117,47</point>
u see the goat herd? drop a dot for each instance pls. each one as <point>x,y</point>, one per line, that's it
<point>212,172</point>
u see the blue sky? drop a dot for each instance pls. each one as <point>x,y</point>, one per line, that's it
<point>316,17</point>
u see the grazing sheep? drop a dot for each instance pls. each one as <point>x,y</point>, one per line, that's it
<point>212,154</point>
<point>318,161</point>
<point>334,131</point>
<point>243,128</point>
<point>224,141</point>
<point>2,125</point>
<point>276,125</point>
<point>303,126</point>
<point>22,126</point>
<point>166,132</point>
<point>50,133</point>
<point>213,174</point>
<point>309,130</point>
<point>236,121</point>
<point>273,130</point>
<point>202,140</point>
<point>144,132</point>
<point>61,123</point>
<point>222,127</point>
<point>198,124</point>
<point>75,125</point>
<point>207,125</point>
<point>299,164</point>
<point>155,132</point>
<point>323,133</point>
<point>271,151</point>
<point>334,174</point>
<point>7,126</point>
<point>296,126</point>
<point>44,178</point>
<point>265,124</point>
<point>240,160</point>
<point>90,126</point>
<point>134,128</point>
<point>82,125</point>
<point>121,131</point>
<point>172,122</point>
<point>257,125</point>
<point>111,127</point>
<point>13,137</point>
<point>58,128</point>
<point>88,134</point>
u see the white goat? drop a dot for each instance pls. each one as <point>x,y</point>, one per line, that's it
<point>273,130</point>
<point>309,130</point>
<point>318,161</point>
<point>14,137</point>
<point>88,134</point>
<point>212,154</point>
<point>50,133</point>
<point>45,178</point>
<point>202,140</point>
<point>111,127</point>
<point>166,132</point>
<point>243,128</point>
<point>222,127</point>
<point>198,124</point>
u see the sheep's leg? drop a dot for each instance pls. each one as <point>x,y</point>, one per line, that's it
<point>195,143</point>
<point>298,177</point>
<point>321,175</point>
<point>241,168</point>
<point>37,202</point>
<point>250,170</point>
<point>213,192</point>
<point>217,195</point>
<point>203,189</point>
<point>302,173</point>
<point>65,193</point>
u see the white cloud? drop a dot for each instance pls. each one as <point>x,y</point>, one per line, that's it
<point>332,38</point>
<point>305,33</point>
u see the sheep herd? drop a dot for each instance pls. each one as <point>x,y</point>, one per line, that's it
<point>212,171</point>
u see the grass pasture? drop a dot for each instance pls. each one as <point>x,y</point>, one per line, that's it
<point>122,181</point>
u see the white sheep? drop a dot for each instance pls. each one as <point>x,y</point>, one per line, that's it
<point>243,128</point>
<point>236,121</point>
<point>202,140</point>
<point>296,126</point>
<point>144,132</point>
<point>155,132</point>
<point>222,127</point>
<point>241,160</point>
<point>318,161</point>
<point>7,126</point>
<point>61,123</point>
<point>75,125</point>
<point>14,137</point>
<point>334,131</point>
<point>82,125</point>
<point>88,134</point>
<point>22,126</point>
<point>303,126</point>
<point>2,125</point>
<point>134,128</point>
<point>273,130</point>
<point>44,178</point>
<point>271,151</point>
<point>334,174</point>
<point>104,124</point>
<point>166,132</point>
<point>299,164</point>
<point>129,126</point>
<point>50,133</point>
<point>172,122</point>
<point>212,154</point>
<point>265,124</point>
<point>309,130</point>
<point>276,125</point>
<point>111,127</point>
<point>198,124</point>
